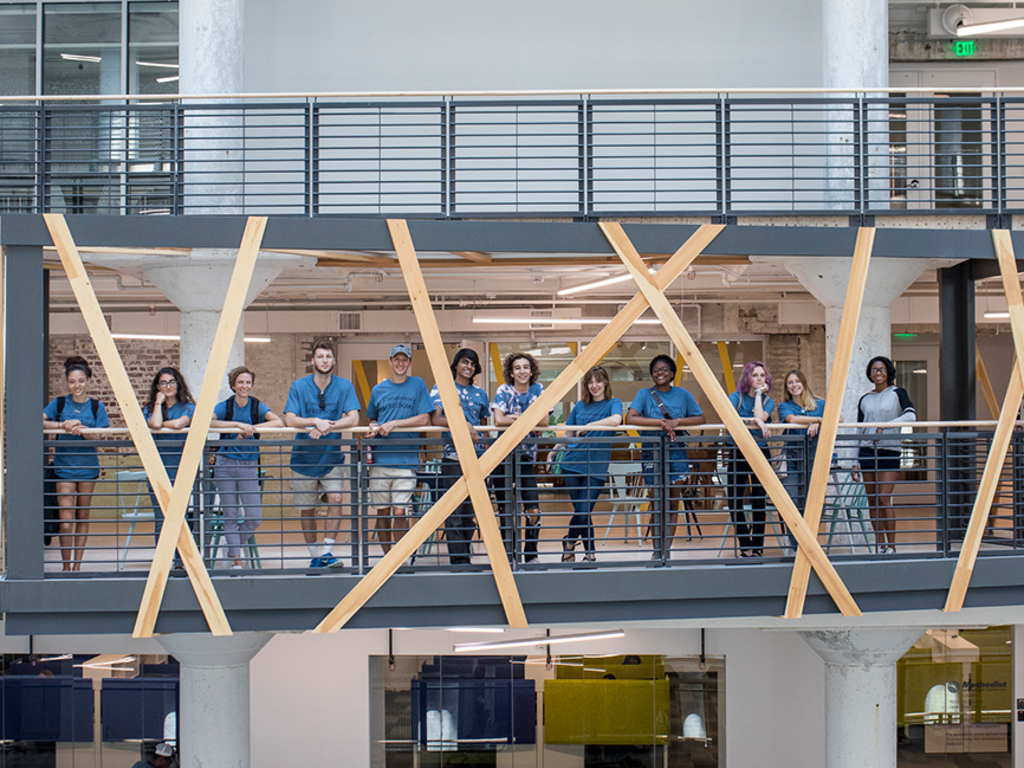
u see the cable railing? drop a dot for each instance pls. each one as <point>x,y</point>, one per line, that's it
<point>546,154</point>
<point>561,501</point>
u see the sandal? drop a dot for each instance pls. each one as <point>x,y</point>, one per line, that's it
<point>568,551</point>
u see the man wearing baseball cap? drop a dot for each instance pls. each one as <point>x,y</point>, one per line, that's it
<point>399,401</point>
<point>162,757</point>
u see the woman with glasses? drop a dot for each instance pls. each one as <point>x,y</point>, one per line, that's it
<point>170,406</point>
<point>76,466</point>
<point>752,402</point>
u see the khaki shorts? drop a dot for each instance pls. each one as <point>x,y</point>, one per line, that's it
<point>391,486</point>
<point>306,491</point>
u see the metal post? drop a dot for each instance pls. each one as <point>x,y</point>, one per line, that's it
<point>723,159</point>
<point>445,159</point>
<point>859,168</point>
<point>312,159</point>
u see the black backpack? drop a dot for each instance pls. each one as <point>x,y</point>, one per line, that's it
<point>63,399</point>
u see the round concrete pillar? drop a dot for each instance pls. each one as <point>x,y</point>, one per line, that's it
<point>213,724</point>
<point>860,693</point>
<point>827,281</point>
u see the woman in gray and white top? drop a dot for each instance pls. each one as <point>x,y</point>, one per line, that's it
<point>879,457</point>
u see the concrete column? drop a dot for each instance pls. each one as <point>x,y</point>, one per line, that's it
<point>213,724</point>
<point>197,283</point>
<point>860,693</point>
<point>827,280</point>
<point>211,60</point>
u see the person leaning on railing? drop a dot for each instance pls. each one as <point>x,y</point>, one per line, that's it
<point>585,465</point>
<point>169,406</point>
<point>77,467</point>
<point>236,471</point>
<point>476,407</point>
<point>673,409</point>
<point>511,400</point>
<point>879,457</point>
<point>752,402</point>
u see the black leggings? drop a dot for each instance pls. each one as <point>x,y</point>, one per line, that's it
<point>742,480</point>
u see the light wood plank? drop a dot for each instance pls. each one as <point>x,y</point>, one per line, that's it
<point>474,256</point>
<point>459,429</point>
<point>981,375</point>
<point>192,453</point>
<point>1003,247</point>
<point>727,374</point>
<point>509,439</point>
<point>740,432</point>
<point>833,407</point>
<point>131,411</point>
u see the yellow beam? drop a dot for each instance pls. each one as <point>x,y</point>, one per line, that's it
<point>474,256</point>
<point>508,440</point>
<point>833,407</point>
<point>727,374</point>
<point>740,433</point>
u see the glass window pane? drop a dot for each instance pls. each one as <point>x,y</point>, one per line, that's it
<point>152,48</point>
<point>17,50</point>
<point>82,48</point>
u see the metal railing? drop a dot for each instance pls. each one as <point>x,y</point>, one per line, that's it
<point>643,510</point>
<point>435,156</point>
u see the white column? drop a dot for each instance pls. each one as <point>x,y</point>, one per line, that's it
<point>827,280</point>
<point>197,284</point>
<point>860,693</point>
<point>213,724</point>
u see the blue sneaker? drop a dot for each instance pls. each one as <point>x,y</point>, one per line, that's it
<point>329,561</point>
<point>316,562</point>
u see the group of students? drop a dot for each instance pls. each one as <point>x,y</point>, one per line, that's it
<point>322,404</point>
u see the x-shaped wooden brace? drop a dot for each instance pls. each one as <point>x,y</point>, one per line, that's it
<point>511,437</point>
<point>1003,246</point>
<point>673,325</point>
<point>174,499</point>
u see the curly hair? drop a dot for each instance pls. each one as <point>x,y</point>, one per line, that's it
<point>510,360</point>
<point>183,396</point>
<point>743,385</point>
<point>234,373</point>
<point>890,369</point>
<point>76,363</point>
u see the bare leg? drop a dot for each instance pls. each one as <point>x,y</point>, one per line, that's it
<point>886,513</point>
<point>84,500</point>
<point>675,503</point>
<point>383,528</point>
<point>871,492</point>
<point>66,511</point>
<point>332,526</point>
<point>399,523</point>
<point>308,517</point>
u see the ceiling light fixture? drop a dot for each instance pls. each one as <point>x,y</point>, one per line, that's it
<point>169,337</point>
<point>156,64</point>
<point>80,57</point>
<point>988,27</point>
<point>600,283</point>
<point>491,630</point>
<point>995,315</point>
<point>560,320</point>
<point>170,79</point>
<point>537,641</point>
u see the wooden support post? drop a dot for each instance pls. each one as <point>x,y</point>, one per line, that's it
<point>740,432</point>
<point>981,376</point>
<point>508,440</point>
<point>131,411</point>
<point>1004,427</point>
<point>475,478</point>
<point>833,407</point>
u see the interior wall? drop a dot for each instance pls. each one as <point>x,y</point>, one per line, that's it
<point>317,45</point>
<point>310,694</point>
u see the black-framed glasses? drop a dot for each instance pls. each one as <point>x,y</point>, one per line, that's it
<point>321,403</point>
<point>167,383</point>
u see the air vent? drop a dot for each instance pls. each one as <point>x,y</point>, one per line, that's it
<point>541,313</point>
<point>350,321</point>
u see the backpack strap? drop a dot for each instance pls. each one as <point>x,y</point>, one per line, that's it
<point>95,404</point>
<point>254,414</point>
<point>660,403</point>
<point>60,406</point>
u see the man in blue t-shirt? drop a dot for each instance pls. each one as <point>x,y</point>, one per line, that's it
<point>324,404</point>
<point>476,407</point>
<point>400,401</point>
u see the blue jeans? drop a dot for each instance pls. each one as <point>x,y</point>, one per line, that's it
<point>584,490</point>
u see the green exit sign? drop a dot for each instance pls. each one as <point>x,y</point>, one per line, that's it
<point>965,47</point>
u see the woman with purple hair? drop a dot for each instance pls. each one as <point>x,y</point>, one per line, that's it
<point>752,402</point>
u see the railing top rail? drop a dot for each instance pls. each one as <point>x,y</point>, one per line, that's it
<point>588,92</point>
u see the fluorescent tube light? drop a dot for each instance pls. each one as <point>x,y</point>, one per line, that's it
<point>988,27</point>
<point>156,64</point>
<point>994,315</point>
<point>62,657</point>
<point>600,283</point>
<point>533,641</point>
<point>559,320</point>
<point>80,57</point>
<point>168,79</point>
<point>170,337</point>
<point>489,630</point>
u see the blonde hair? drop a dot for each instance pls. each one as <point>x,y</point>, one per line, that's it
<point>234,373</point>
<point>810,402</point>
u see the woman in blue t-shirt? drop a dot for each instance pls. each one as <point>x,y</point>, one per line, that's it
<point>799,406</point>
<point>585,464</point>
<point>237,471</point>
<point>170,406</point>
<point>751,401</point>
<point>77,466</point>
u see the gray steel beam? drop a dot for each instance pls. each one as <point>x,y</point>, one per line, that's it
<point>956,345</point>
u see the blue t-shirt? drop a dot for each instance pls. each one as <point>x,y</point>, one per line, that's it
<point>390,401</point>
<point>76,462</point>
<point>476,407</point>
<point>511,402</point>
<point>171,446</point>
<point>591,458</point>
<point>239,447</point>
<point>744,405</point>
<point>681,405</point>
<point>793,408</point>
<point>315,458</point>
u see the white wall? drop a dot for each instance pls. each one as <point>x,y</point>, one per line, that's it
<point>319,45</point>
<point>310,693</point>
